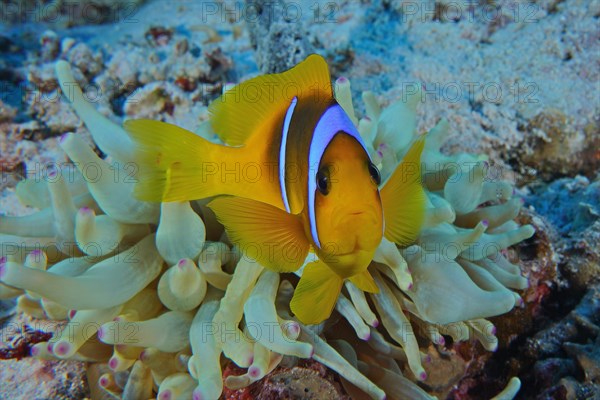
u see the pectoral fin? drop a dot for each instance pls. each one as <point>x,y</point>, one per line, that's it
<point>365,282</point>
<point>403,199</point>
<point>316,293</point>
<point>266,233</point>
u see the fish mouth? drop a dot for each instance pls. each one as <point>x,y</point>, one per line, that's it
<point>364,213</point>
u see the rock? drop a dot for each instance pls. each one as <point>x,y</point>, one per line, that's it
<point>446,368</point>
<point>578,337</point>
<point>31,378</point>
<point>41,379</point>
<point>7,113</point>
<point>81,56</point>
<point>50,45</point>
<point>5,43</point>
<point>307,380</point>
<point>280,43</point>
<point>554,148</point>
<point>550,371</point>
<point>573,206</point>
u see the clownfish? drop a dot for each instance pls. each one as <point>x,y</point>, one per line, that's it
<point>293,176</point>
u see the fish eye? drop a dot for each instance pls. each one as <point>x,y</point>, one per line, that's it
<point>375,175</point>
<point>323,181</point>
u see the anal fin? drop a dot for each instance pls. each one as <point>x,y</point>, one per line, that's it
<point>316,293</point>
<point>365,282</point>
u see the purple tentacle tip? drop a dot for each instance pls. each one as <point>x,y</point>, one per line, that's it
<point>101,333</point>
<point>62,349</point>
<point>423,376</point>
<point>62,138</point>
<point>254,371</point>
<point>72,314</point>
<point>494,330</point>
<point>2,267</point>
<point>181,262</point>
<point>342,80</point>
<point>113,363</point>
<point>294,328</point>
<point>165,395</point>
<point>375,323</point>
<point>485,223</point>
<point>197,395</point>
<point>410,286</point>
<point>441,341</point>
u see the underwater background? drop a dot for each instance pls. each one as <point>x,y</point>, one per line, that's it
<point>517,81</point>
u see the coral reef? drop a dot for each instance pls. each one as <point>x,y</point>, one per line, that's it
<point>550,342</point>
<point>280,43</point>
<point>306,379</point>
<point>36,378</point>
<point>468,55</point>
<point>66,13</point>
<point>566,347</point>
<point>554,148</point>
<point>578,222</point>
<point>165,303</point>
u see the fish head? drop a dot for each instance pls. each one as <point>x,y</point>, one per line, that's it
<point>348,207</point>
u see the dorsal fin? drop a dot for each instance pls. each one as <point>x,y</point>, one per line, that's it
<point>259,103</point>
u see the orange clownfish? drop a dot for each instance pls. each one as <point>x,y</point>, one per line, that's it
<point>293,176</point>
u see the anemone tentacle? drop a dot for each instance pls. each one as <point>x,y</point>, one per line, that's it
<point>211,302</point>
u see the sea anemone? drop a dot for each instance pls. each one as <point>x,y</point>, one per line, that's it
<point>170,307</point>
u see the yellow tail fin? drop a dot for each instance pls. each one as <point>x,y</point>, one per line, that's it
<point>403,199</point>
<point>173,164</point>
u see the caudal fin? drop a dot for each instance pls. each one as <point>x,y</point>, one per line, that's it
<point>172,163</point>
